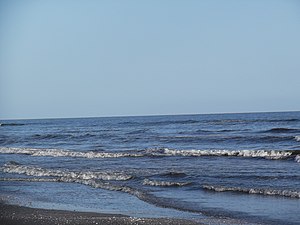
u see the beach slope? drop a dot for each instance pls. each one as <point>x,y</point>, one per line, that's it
<point>18,215</point>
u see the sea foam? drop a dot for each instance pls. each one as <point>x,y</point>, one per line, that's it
<point>43,172</point>
<point>164,183</point>
<point>162,152</point>
<point>241,153</point>
<point>283,193</point>
<point>65,153</point>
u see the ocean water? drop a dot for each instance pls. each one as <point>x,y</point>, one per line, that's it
<point>243,167</point>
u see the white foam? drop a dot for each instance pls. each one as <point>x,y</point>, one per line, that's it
<point>267,154</point>
<point>41,172</point>
<point>164,183</point>
<point>241,153</point>
<point>297,158</point>
<point>30,179</point>
<point>65,153</point>
<point>297,138</point>
<point>70,177</point>
<point>284,193</point>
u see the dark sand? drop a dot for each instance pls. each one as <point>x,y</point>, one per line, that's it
<point>17,215</point>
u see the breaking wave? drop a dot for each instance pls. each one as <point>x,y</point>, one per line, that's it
<point>272,154</point>
<point>164,183</point>
<point>273,192</point>
<point>162,152</point>
<point>66,153</point>
<point>70,177</point>
<point>42,172</point>
<point>297,138</point>
<point>30,179</point>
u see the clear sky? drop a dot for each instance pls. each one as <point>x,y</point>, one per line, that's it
<point>66,58</point>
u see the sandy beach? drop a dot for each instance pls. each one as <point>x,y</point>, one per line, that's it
<point>17,215</point>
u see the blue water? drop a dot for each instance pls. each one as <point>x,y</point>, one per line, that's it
<point>230,166</point>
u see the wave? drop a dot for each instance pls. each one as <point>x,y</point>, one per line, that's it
<point>169,122</point>
<point>282,130</point>
<point>277,120</point>
<point>72,177</point>
<point>106,185</point>
<point>217,138</point>
<point>173,174</point>
<point>297,138</point>
<point>260,191</point>
<point>161,152</point>
<point>29,179</point>
<point>141,131</point>
<point>49,136</point>
<point>139,193</point>
<point>66,153</point>
<point>164,183</point>
<point>219,131</point>
<point>11,124</point>
<point>159,123</point>
<point>242,121</point>
<point>270,138</point>
<point>61,136</point>
<point>42,172</point>
<point>268,154</point>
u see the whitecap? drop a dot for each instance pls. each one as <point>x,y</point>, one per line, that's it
<point>164,183</point>
<point>261,191</point>
<point>83,175</point>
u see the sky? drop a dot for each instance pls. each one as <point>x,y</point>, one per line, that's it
<point>65,58</point>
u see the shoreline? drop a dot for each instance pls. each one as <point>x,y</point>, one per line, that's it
<point>21,215</point>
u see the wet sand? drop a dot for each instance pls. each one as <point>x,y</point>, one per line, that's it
<point>18,215</point>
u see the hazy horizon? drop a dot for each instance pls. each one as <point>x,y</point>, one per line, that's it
<point>148,115</point>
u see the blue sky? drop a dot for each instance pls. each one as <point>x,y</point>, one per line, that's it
<point>104,58</point>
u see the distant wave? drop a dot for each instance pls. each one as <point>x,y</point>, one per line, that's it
<point>282,130</point>
<point>140,131</point>
<point>217,131</point>
<point>271,138</point>
<point>260,191</point>
<point>11,124</point>
<point>61,136</point>
<point>160,123</point>
<point>168,122</point>
<point>280,120</point>
<point>218,138</point>
<point>164,183</point>
<point>239,121</point>
<point>173,174</point>
<point>163,152</point>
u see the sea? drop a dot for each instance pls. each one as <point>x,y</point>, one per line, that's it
<point>229,167</point>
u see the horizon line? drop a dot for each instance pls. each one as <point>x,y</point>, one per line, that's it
<point>148,115</point>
